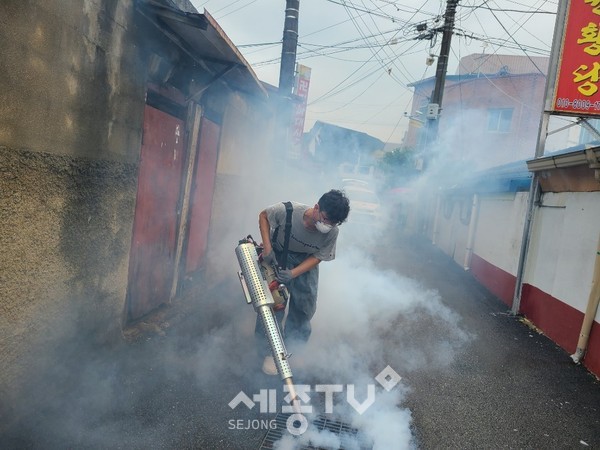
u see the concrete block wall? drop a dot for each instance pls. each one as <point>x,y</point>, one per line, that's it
<point>71,111</point>
<point>560,261</point>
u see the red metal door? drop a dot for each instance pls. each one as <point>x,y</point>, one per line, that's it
<point>202,195</point>
<point>151,262</point>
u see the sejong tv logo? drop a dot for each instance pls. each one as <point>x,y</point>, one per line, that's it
<point>297,424</point>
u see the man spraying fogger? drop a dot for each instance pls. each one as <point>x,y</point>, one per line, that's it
<point>296,238</point>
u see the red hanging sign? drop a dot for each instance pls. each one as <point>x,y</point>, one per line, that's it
<point>577,88</point>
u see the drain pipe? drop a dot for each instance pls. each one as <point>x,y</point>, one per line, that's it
<point>534,192</point>
<point>471,234</point>
<point>590,312</point>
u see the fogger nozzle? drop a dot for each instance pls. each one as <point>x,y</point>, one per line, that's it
<point>257,292</point>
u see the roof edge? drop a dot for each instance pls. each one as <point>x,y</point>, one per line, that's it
<point>586,156</point>
<point>243,60</point>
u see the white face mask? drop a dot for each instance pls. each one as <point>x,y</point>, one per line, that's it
<point>323,227</point>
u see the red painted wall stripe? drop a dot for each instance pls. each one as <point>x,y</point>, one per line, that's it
<point>561,323</point>
<point>499,282</point>
<point>557,320</point>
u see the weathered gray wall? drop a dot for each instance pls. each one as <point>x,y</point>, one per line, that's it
<point>70,78</point>
<point>71,111</point>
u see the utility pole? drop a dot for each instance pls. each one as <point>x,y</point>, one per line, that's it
<point>435,105</point>
<point>288,48</point>
<point>287,75</point>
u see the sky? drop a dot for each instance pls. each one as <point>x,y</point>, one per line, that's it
<point>364,54</point>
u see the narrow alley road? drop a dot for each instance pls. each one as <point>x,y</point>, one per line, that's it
<point>510,387</point>
<point>475,377</point>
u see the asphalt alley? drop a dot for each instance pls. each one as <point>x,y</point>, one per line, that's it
<point>507,386</point>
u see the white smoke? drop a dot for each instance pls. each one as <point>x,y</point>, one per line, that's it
<point>316,438</point>
<point>369,318</point>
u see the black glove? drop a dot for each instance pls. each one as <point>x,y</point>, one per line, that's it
<point>270,258</point>
<point>284,276</point>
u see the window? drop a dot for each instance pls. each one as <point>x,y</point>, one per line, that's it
<point>499,119</point>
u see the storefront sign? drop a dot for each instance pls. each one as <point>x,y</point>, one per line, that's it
<point>577,87</point>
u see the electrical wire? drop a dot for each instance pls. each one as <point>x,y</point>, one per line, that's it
<point>382,58</point>
<point>514,40</point>
<point>405,108</point>
<point>234,11</point>
<point>338,90</point>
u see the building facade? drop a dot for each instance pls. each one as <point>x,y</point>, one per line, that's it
<point>116,125</point>
<point>490,112</point>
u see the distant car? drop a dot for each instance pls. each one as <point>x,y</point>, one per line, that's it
<point>350,182</point>
<point>365,206</point>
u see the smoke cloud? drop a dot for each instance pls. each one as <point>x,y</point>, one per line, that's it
<point>368,317</point>
<point>172,387</point>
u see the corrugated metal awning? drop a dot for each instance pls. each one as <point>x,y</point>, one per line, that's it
<point>511,177</point>
<point>203,40</point>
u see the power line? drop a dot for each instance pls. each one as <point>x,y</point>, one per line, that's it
<point>509,10</point>
<point>235,10</point>
<point>351,6</point>
<point>514,40</point>
<point>369,52</point>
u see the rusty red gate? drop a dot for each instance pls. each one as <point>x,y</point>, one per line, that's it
<point>202,195</point>
<point>152,256</point>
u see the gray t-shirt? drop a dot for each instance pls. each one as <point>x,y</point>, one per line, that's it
<point>320,245</point>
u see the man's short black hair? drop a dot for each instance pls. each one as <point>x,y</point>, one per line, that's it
<point>336,205</point>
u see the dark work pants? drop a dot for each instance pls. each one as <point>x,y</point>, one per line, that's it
<point>301,308</point>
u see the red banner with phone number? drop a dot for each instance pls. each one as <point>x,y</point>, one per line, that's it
<point>577,88</point>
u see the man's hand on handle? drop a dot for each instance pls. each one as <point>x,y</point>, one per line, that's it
<point>270,258</point>
<point>284,276</point>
